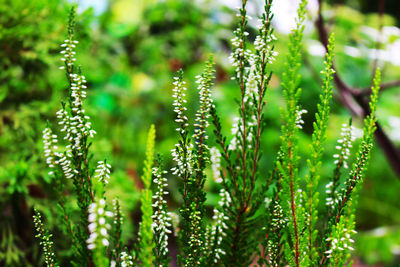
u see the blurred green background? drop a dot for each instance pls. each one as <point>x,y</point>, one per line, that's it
<point>129,51</point>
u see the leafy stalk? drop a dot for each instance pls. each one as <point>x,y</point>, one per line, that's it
<point>45,240</point>
<point>288,167</point>
<point>146,230</point>
<point>318,139</point>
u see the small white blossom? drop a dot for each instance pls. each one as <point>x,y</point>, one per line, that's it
<point>98,228</point>
<point>344,145</point>
<point>216,164</point>
<point>126,259</point>
<point>103,172</point>
<point>299,120</point>
<point>68,54</point>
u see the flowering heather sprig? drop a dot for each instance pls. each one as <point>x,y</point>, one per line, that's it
<point>240,54</point>
<point>103,171</point>
<point>182,153</point>
<point>217,232</point>
<point>242,154</point>
<point>201,121</point>
<point>45,241</point>
<point>98,227</point>
<point>180,101</point>
<point>75,123</point>
<point>341,243</point>
<point>161,220</point>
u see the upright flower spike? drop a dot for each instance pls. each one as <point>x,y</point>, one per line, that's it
<point>45,240</point>
<point>180,101</point>
<point>99,228</point>
<point>161,220</point>
<point>217,232</point>
<point>253,75</point>
<point>205,81</point>
<point>357,172</point>
<point>318,139</point>
<point>146,232</point>
<point>182,153</point>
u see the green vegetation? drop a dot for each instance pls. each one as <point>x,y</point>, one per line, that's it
<point>251,178</point>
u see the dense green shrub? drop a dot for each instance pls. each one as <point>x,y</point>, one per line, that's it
<point>269,219</point>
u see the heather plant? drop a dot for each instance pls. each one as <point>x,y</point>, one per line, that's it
<point>265,219</point>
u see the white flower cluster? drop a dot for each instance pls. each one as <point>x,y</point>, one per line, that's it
<point>68,54</point>
<point>216,164</point>
<point>53,157</point>
<point>126,259</point>
<point>66,167</point>
<point>161,219</point>
<point>184,162</point>
<point>202,115</point>
<point>220,225</point>
<point>263,42</point>
<point>264,52</point>
<point>329,200</point>
<point>179,101</point>
<point>299,120</point>
<point>239,57</point>
<point>98,227</point>
<point>50,140</point>
<point>344,145</point>
<point>103,171</point>
<point>235,129</point>
<point>76,126</point>
<point>342,243</point>
<point>236,140</point>
<point>278,219</point>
